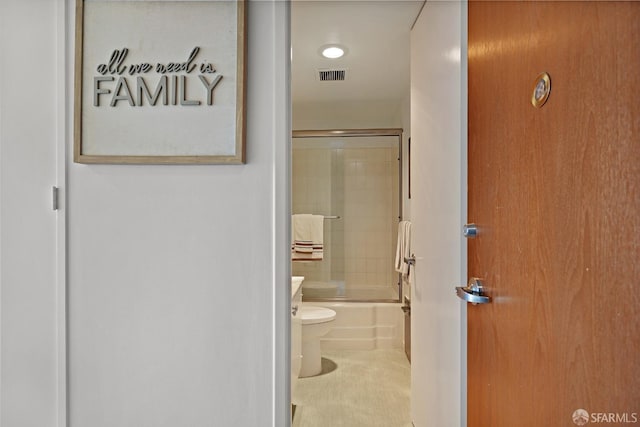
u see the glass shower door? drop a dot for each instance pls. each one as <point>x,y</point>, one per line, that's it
<point>354,182</point>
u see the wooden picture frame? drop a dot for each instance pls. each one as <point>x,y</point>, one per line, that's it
<point>160,82</point>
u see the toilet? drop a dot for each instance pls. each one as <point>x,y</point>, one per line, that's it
<point>316,322</point>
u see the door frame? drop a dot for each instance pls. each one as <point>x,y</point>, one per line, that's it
<point>62,127</point>
<point>464,187</point>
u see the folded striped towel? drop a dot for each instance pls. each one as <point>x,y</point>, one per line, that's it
<point>307,234</point>
<point>303,246</point>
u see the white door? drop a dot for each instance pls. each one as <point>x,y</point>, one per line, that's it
<point>28,143</point>
<point>437,141</point>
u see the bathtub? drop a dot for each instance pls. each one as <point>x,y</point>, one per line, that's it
<point>363,325</point>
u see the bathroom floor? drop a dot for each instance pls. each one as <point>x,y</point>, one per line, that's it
<point>357,388</point>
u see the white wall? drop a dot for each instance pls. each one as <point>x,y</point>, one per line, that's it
<point>173,269</point>
<point>346,115</point>
<point>29,129</point>
<point>177,275</point>
<point>438,143</point>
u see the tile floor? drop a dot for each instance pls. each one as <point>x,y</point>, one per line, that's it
<point>357,388</point>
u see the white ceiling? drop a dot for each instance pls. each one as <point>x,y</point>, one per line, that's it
<point>376,35</point>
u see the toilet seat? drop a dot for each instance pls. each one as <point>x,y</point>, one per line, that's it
<point>312,315</point>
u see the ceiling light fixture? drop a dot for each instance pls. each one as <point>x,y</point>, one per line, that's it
<point>332,51</point>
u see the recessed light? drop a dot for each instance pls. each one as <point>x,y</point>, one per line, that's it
<point>332,51</point>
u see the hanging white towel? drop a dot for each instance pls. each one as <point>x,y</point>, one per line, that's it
<point>403,248</point>
<point>307,237</point>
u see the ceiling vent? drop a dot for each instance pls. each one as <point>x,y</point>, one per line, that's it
<point>332,75</point>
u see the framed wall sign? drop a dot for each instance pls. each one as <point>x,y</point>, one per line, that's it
<point>160,82</point>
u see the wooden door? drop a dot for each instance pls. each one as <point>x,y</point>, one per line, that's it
<point>555,192</point>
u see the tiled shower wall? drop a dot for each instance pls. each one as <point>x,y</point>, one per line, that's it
<point>311,194</point>
<point>361,185</point>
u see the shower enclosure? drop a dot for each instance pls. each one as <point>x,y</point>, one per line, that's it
<point>354,179</point>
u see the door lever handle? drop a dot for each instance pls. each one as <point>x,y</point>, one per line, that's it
<point>473,292</point>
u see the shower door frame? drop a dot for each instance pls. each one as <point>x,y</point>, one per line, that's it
<point>333,133</point>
